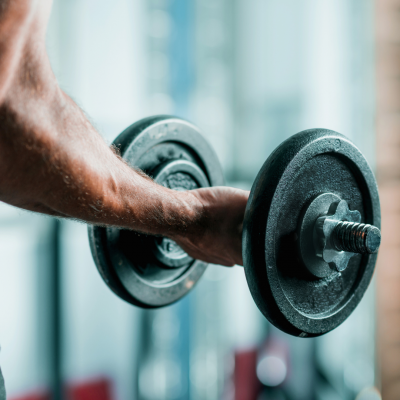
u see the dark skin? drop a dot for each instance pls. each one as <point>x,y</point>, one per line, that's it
<point>53,161</point>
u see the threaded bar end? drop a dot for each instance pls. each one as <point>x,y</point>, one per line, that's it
<point>356,238</point>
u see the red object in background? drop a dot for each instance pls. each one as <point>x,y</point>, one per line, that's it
<point>99,389</point>
<point>34,396</point>
<point>96,389</point>
<point>247,385</point>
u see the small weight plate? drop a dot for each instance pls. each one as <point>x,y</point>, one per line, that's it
<point>144,270</point>
<point>308,164</point>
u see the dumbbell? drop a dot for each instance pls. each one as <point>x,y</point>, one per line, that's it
<point>310,235</point>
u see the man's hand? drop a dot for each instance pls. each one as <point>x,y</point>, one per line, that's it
<point>217,236</point>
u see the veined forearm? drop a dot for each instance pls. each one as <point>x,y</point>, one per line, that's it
<point>53,161</point>
<point>61,166</point>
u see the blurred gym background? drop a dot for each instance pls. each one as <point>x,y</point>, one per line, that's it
<point>249,73</point>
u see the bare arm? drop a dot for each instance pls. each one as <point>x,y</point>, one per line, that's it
<point>53,161</point>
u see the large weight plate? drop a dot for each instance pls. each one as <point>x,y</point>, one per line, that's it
<point>303,167</point>
<point>146,271</point>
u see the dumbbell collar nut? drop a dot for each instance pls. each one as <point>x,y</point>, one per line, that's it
<point>324,234</point>
<point>330,234</point>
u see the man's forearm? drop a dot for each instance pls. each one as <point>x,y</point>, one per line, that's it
<point>53,161</point>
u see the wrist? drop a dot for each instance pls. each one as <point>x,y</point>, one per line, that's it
<point>187,217</point>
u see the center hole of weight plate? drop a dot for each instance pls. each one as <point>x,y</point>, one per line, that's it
<point>177,175</point>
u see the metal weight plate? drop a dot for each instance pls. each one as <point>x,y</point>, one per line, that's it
<point>144,270</point>
<point>308,171</point>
